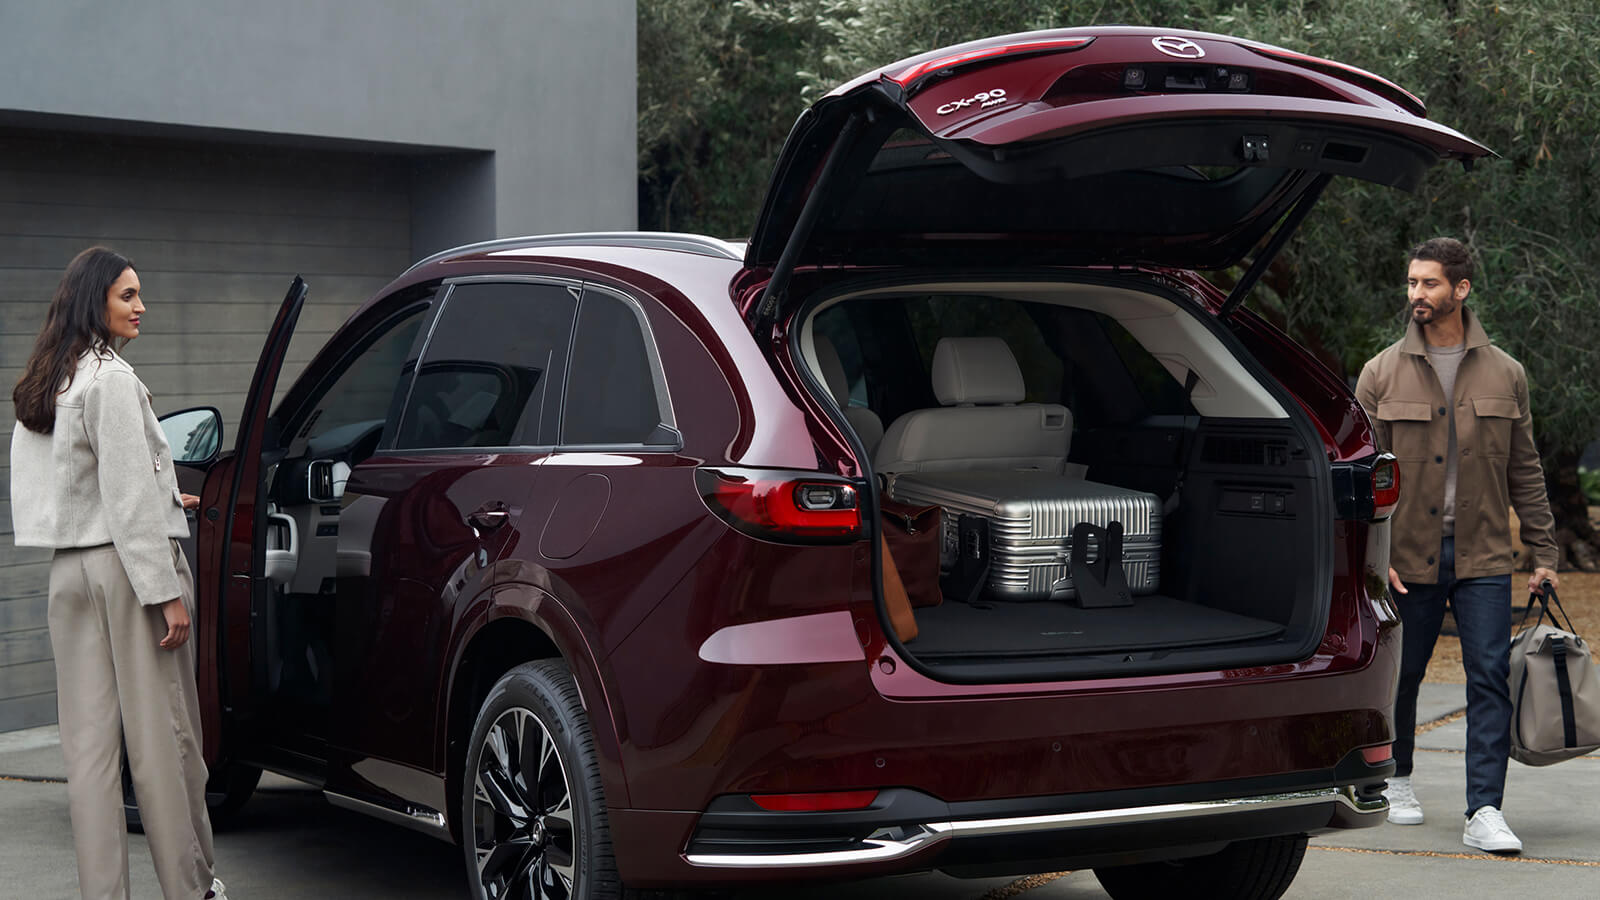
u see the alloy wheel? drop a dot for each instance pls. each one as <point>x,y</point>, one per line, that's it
<point>525,842</point>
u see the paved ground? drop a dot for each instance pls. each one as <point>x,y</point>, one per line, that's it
<point>290,844</point>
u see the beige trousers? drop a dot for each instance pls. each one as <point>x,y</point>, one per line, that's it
<point>114,681</point>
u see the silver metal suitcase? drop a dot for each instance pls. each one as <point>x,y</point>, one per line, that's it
<point>1031,516</point>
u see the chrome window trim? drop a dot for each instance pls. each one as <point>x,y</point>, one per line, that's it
<point>880,848</point>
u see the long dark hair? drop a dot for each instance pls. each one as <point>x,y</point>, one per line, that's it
<point>75,323</point>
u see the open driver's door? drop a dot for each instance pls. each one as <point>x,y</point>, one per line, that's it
<point>230,529</point>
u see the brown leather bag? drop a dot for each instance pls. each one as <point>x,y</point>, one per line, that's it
<point>913,534</point>
<point>894,597</point>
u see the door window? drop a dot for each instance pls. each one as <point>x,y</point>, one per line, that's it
<point>611,391</point>
<point>486,374</point>
<point>358,403</point>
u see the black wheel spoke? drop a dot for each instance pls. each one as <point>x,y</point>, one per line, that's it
<point>531,744</point>
<point>559,872</point>
<point>499,863</point>
<point>495,789</point>
<point>527,877</point>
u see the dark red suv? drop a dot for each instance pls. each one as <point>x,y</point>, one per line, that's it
<point>567,548</point>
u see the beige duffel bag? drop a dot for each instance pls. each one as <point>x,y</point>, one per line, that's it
<point>1555,689</point>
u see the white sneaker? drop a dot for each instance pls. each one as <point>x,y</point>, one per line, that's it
<point>1487,830</point>
<point>1403,806</point>
<point>217,892</point>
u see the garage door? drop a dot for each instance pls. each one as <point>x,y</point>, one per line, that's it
<point>216,231</point>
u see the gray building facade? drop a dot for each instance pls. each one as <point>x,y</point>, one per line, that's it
<point>227,146</point>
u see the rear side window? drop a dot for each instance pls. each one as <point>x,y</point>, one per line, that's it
<point>611,389</point>
<point>488,371</point>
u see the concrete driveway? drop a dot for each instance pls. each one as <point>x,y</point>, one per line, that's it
<point>289,843</point>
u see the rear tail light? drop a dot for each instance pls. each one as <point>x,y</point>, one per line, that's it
<point>909,78</point>
<point>831,801</point>
<point>1383,86</point>
<point>1378,755</point>
<point>1385,487</point>
<point>1367,489</point>
<point>785,506</point>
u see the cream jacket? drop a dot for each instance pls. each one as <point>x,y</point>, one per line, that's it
<point>102,476</point>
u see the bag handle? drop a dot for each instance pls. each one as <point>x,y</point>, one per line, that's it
<point>1545,596</point>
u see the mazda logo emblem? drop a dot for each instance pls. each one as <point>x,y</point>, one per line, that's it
<point>1182,48</point>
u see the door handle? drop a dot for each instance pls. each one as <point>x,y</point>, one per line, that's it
<point>489,516</point>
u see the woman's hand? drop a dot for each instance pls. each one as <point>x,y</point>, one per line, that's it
<point>177,617</point>
<point>190,501</point>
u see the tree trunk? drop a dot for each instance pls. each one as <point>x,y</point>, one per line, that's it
<point>1580,543</point>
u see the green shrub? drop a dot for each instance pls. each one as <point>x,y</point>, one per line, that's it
<point>1589,480</point>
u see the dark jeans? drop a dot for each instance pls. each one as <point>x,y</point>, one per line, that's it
<point>1482,608</point>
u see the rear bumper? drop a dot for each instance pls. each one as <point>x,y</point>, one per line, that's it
<point>905,830</point>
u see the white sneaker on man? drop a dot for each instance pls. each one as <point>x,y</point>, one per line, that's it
<point>217,892</point>
<point>1403,806</point>
<point>1487,830</point>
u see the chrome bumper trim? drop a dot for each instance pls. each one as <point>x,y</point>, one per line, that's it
<point>881,846</point>
<point>876,849</point>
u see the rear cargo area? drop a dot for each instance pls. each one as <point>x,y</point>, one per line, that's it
<point>1118,489</point>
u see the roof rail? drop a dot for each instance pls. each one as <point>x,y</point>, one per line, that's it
<point>656,240</point>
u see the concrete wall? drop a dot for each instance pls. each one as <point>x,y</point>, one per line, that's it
<point>546,86</point>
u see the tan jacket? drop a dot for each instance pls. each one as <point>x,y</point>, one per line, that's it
<point>103,475</point>
<point>1497,467</point>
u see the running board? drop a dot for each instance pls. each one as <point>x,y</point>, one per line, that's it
<point>417,818</point>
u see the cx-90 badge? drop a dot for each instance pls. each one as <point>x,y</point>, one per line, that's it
<point>984,99</point>
<point>1182,48</point>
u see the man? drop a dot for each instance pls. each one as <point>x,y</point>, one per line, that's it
<point>1453,408</point>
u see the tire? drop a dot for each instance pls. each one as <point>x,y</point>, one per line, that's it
<point>1260,869</point>
<point>533,824</point>
<point>229,786</point>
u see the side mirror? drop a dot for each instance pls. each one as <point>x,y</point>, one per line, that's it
<point>195,435</point>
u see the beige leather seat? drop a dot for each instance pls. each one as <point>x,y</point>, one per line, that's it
<point>983,423</point>
<point>866,423</point>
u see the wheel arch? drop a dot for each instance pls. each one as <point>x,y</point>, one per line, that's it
<point>523,624</point>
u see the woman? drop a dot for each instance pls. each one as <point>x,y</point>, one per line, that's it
<point>92,478</point>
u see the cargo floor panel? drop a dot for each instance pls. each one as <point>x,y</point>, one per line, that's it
<point>1153,622</point>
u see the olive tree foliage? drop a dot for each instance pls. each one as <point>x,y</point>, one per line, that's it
<point>718,89</point>
<point>721,84</point>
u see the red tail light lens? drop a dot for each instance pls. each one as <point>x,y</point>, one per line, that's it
<point>832,801</point>
<point>1385,487</point>
<point>1378,755</point>
<point>909,76</point>
<point>791,507</point>
<point>1394,92</point>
